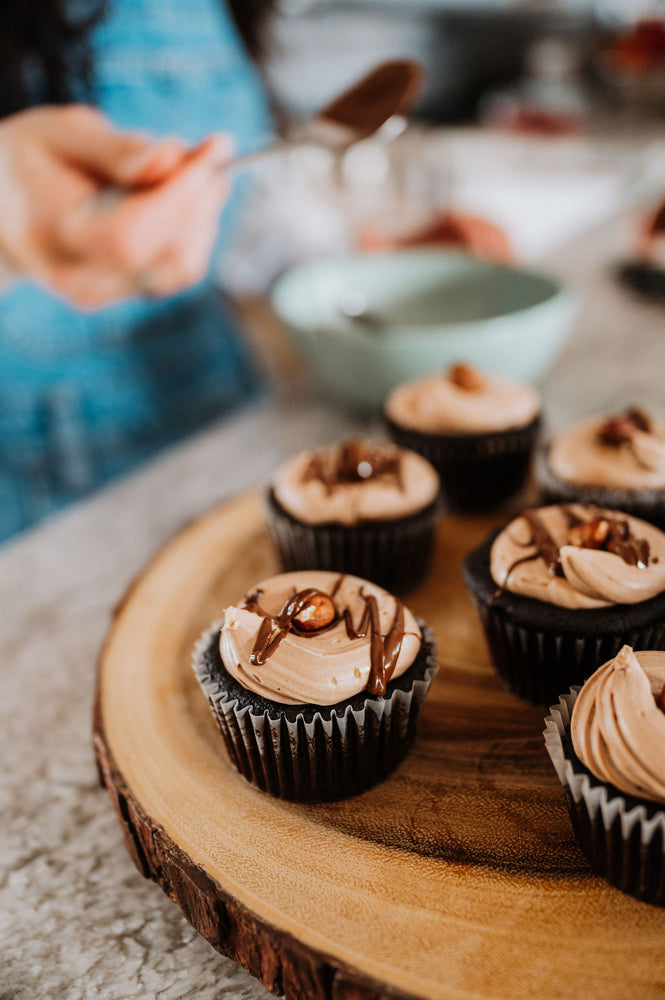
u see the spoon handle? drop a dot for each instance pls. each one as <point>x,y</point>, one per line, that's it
<point>278,148</point>
<point>111,196</point>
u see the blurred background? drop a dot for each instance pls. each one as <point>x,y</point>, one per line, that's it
<point>539,123</point>
<point>540,117</point>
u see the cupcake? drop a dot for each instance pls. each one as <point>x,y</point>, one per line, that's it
<point>616,461</point>
<point>316,680</point>
<point>646,272</point>
<point>478,431</point>
<point>563,588</point>
<point>607,744</point>
<point>364,509</point>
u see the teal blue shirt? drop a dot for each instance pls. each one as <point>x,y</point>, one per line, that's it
<point>85,397</point>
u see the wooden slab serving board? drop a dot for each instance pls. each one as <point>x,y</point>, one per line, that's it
<point>457,878</point>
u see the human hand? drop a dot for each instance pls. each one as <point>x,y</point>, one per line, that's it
<point>158,237</point>
<point>470,232</point>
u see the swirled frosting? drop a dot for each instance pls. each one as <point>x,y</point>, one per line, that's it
<point>355,481</point>
<point>462,401</point>
<point>634,459</point>
<point>579,556</point>
<point>617,728</point>
<point>370,638</point>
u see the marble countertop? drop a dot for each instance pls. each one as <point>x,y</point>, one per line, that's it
<point>76,919</point>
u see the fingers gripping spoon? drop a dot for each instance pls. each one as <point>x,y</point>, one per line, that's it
<point>389,89</point>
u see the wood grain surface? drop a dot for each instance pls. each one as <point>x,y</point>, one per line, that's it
<point>457,878</point>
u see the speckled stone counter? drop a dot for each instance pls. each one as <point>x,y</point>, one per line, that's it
<point>76,919</point>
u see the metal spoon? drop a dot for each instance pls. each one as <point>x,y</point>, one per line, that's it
<point>391,88</point>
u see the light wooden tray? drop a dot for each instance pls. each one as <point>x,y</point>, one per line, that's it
<point>457,878</point>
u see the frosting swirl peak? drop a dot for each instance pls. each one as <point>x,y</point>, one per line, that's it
<point>617,728</point>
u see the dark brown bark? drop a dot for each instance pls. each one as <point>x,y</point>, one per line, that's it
<point>284,965</point>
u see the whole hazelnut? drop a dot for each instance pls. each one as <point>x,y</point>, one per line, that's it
<point>465,377</point>
<point>318,613</point>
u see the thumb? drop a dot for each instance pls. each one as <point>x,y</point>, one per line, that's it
<point>87,139</point>
<point>150,165</point>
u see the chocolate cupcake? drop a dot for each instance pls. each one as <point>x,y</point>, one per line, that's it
<point>616,462</point>
<point>316,680</point>
<point>563,588</point>
<point>646,272</point>
<point>477,430</point>
<point>607,743</point>
<point>364,509</point>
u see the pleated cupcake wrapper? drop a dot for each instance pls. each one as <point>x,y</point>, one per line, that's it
<point>394,554</point>
<point>646,504</point>
<point>647,279</point>
<point>536,664</point>
<point>622,843</point>
<point>333,755</point>
<point>477,471</point>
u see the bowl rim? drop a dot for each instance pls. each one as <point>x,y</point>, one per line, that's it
<point>560,294</point>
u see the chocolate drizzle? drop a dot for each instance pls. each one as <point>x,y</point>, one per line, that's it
<point>274,629</point>
<point>657,224</point>
<point>546,548</point>
<point>618,430</point>
<point>573,520</point>
<point>354,462</point>
<point>609,534</point>
<point>621,542</point>
<point>384,651</point>
<point>251,602</point>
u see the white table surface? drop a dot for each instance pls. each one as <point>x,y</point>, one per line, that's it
<point>76,919</point>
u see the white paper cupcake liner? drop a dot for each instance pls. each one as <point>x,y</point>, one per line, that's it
<point>324,753</point>
<point>623,842</point>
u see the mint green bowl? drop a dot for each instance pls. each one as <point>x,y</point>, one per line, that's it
<point>432,308</point>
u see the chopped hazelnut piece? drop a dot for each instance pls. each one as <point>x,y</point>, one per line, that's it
<point>591,535</point>
<point>612,535</point>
